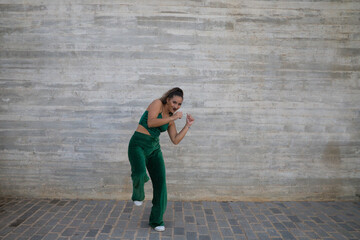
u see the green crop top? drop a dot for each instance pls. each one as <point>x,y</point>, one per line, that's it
<point>154,131</point>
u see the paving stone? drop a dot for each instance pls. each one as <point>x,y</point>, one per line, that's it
<point>220,216</point>
<point>237,230</point>
<point>226,232</point>
<point>279,226</point>
<point>51,236</point>
<point>272,233</point>
<point>210,218</point>
<point>203,230</point>
<point>204,237</point>
<point>92,232</point>
<point>287,235</point>
<point>111,221</point>
<point>84,227</point>
<point>289,224</point>
<point>166,238</point>
<point>106,229</point>
<point>250,234</point>
<point>275,210</point>
<point>304,227</point>
<point>78,219</point>
<point>200,221</point>
<point>129,234</point>
<point>142,232</point>
<point>356,235</point>
<point>31,231</point>
<point>345,233</point>
<point>12,236</point>
<point>282,218</point>
<point>154,236</point>
<point>213,226</point>
<point>215,235</point>
<point>347,227</point>
<point>117,232</point>
<point>312,235</point>
<point>53,222</point>
<point>179,238</point>
<point>297,233</point>
<point>294,219</point>
<point>36,237</point>
<point>336,219</point>
<point>208,211</point>
<point>191,227</point>
<point>252,219</point>
<point>257,227</point>
<point>327,228</point>
<point>233,222</point>
<point>244,224</point>
<point>21,229</point>
<point>272,219</point>
<point>98,224</point>
<point>262,236</point>
<point>68,232</point>
<point>191,236</point>
<point>189,219</point>
<point>179,231</point>
<point>240,237</point>
<point>321,232</point>
<point>102,237</point>
<point>267,224</point>
<point>339,236</point>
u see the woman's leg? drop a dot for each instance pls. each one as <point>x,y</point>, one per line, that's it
<point>156,168</point>
<point>138,171</point>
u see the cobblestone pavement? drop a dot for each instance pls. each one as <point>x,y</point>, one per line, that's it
<point>106,219</point>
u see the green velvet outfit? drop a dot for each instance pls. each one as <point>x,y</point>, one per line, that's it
<point>144,152</point>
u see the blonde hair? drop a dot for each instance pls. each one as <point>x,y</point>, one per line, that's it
<point>171,93</point>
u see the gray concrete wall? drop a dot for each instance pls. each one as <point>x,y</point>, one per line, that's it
<point>274,87</point>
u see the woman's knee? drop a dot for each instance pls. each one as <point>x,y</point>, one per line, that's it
<point>140,176</point>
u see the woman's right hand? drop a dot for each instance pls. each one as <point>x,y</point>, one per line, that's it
<point>177,115</point>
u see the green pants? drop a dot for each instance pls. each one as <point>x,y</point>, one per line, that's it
<point>144,153</point>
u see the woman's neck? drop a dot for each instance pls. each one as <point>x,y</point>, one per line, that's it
<point>165,110</point>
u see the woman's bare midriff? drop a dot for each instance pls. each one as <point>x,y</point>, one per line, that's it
<point>141,129</point>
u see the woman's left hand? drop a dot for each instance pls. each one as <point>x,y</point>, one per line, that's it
<point>189,120</point>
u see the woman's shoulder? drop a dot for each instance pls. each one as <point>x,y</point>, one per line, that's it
<point>157,102</point>
<point>155,106</point>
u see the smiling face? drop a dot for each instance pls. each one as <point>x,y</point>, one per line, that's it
<point>173,104</point>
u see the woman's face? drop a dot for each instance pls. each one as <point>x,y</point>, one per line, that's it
<point>174,103</point>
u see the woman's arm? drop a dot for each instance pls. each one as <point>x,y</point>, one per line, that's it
<point>177,137</point>
<point>153,111</point>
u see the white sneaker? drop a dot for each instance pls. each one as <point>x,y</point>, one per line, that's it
<point>138,203</point>
<point>160,228</point>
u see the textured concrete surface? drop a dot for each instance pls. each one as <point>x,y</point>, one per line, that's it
<point>274,87</point>
<point>78,219</point>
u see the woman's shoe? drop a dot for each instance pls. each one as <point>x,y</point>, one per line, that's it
<point>138,203</point>
<point>159,228</point>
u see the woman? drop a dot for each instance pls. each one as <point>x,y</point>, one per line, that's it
<point>144,151</point>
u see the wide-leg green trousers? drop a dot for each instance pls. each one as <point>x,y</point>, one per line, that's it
<point>144,153</point>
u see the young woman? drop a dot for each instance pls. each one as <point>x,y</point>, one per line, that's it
<point>144,151</point>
